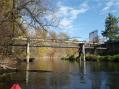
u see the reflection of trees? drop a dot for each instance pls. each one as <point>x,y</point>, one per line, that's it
<point>48,80</point>
<point>59,80</point>
<point>113,81</point>
<point>38,80</point>
<point>92,76</point>
<point>96,81</point>
<point>60,77</point>
<point>101,75</point>
<point>104,75</point>
<point>113,76</point>
<point>9,78</point>
<point>96,75</point>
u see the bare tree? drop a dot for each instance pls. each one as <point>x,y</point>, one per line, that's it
<point>30,14</point>
<point>22,16</point>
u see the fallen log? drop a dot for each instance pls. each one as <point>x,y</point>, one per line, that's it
<point>7,67</point>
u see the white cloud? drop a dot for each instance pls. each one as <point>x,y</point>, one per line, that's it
<point>83,8</point>
<point>66,23</point>
<point>110,6</point>
<point>64,10</point>
<point>68,14</point>
<point>74,13</point>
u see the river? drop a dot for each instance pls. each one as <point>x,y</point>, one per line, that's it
<point>59,74</point>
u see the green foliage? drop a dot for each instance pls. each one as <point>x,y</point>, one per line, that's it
<point>107,58</point>
<point>111,28</point>
<point>91,57</point>
<point>116,58</point>
<point>70,58</point>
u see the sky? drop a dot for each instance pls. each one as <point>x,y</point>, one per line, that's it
<point>80,17</point>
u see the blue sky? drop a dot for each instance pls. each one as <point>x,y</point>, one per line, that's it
<point>79,17</point>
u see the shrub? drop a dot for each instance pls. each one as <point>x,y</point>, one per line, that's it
<point>115,58</point>
<point>71,58</point>
<point>91,57</point>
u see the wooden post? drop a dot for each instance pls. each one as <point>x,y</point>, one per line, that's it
<point>83,49</point>
<point>28,50</point>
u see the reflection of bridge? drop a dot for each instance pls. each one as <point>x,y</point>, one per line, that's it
<point>52,43</point>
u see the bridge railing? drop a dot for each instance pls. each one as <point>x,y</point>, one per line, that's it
<point>36,42</point>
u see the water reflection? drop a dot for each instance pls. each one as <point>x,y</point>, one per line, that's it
<point>63,75</point>
<point>82,71</point>
<point>27,74</point>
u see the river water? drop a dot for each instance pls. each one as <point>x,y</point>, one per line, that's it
<point>59,74</point>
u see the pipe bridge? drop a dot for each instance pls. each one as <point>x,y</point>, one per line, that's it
<point>53,43</point>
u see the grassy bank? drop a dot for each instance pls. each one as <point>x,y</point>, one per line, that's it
<point>91,57</point>
<point>111,58</point>
<point>70,58</point>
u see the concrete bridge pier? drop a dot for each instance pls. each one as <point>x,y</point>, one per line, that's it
<point>28,51</point>
<point>82,51</point>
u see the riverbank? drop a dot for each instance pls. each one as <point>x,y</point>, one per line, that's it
<point>92,57</point>
<point>110,58</point>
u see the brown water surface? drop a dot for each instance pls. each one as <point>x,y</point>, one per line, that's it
<point>59,74</point>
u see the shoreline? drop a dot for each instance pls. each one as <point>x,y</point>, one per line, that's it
<point>94,58</point>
